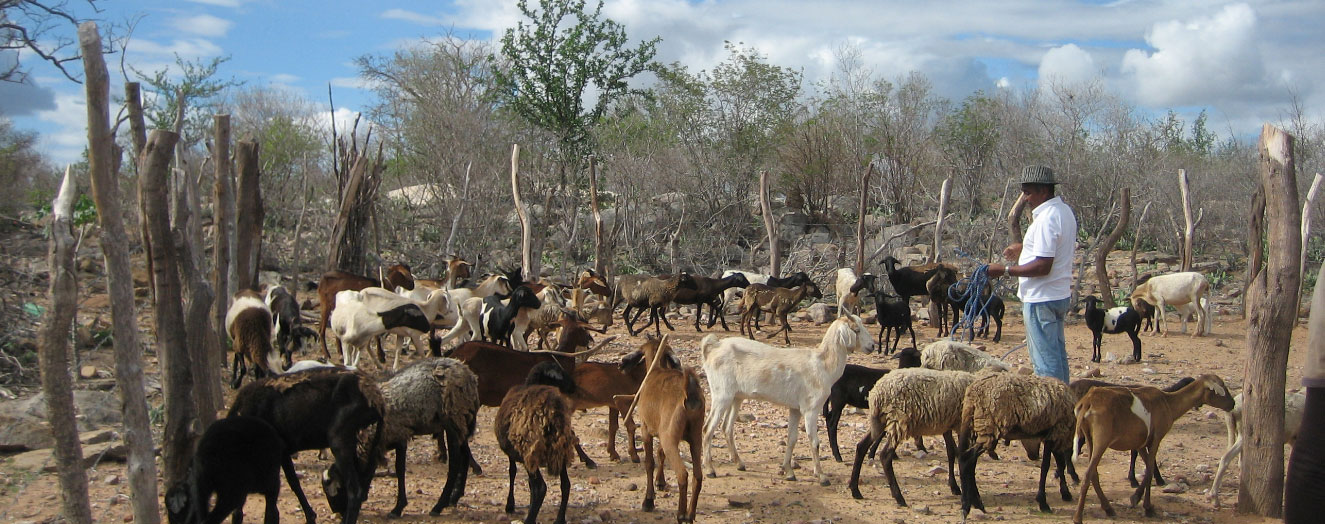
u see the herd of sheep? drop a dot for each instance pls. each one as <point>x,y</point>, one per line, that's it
<point>950,389</point>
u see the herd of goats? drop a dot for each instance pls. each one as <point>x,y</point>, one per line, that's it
<point>945,388</point>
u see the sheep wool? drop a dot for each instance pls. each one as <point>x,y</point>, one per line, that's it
<point>917,402</point>
<point>956,356</point>
<point>1008,405</point>
<point>534,422</point>
<point>428,397</point>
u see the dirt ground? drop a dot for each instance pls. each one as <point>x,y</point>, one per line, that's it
<point>613,491</point>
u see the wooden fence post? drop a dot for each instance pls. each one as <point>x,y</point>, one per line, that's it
<point>248,214</point>
<point>860,218</point>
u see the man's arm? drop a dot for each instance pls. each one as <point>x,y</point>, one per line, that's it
<point>1035,268</point>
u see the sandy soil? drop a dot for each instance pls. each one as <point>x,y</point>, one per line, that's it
<point>613,491</point>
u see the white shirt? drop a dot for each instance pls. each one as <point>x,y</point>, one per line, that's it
<point>1053,233</point>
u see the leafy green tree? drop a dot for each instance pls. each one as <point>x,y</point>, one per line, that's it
<point>549,63</point>
<point>196,87</point>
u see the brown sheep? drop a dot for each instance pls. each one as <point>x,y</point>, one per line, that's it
<point>533,427</point>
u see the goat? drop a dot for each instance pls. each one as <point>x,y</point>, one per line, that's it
<point>893,314</point>
<point>1122,319</point>
<point>355,322</point>
<point>335,281</point>
<point>235,456</point>
<point>931,280</point>
<point>541,320</point>
<point>729,296</point>
<point>853,389</point>
<point>671,406</point>
<point>1294,405</point>
<point>533,427</point>
<point>801,379</point>
<point>709,291</point>
<point>777,301</point>
<point>316,409</point>
<point>248,322</point>
<point>1174,289</point>
<point>993,306</point>
<point>498,317</point>
<point>653,293</point>
<point>590,282</point>
<point>849,285</point>
<point>1079,388</point>
<point>1185,312</point>
<point>291,335</point>
<point>597,382</point>
<point>1136,419</point>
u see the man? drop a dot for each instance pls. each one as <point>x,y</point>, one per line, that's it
<point>1044,269</point>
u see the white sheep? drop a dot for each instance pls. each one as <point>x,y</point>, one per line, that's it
<point>1174,289</point>
<point>799,378</point>
<point>1294,405</point>
<point>913,402</point>
<point>956,356</point>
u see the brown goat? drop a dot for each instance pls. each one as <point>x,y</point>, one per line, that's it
<point>671,407</point>
<point>249,323</point>
<point>597,382</point>
<point>335,281</point>
<point>775,300</point>
<point>643,292</point>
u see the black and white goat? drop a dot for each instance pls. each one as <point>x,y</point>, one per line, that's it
<point>288,326</point>
<point>497,318</point>
<point>1122,319</point>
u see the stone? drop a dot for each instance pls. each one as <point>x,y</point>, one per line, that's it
<point>936,470</point>
<point>87,372</point>
<point>918,454</point>
<point>737,501</point>
<point>112,480</point>
<point>1110,357</point>
<point>1093,373</point>
<point>95,408</point>
<point>1023,370</point>
<point>1148,371</point>
<point>923,510</point>
<point>820,313</point>
<point>1175,487</point>
<point>632,487</point>
<point>24,433</point>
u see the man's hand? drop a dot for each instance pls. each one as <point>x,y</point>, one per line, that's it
<point>1012,252</point>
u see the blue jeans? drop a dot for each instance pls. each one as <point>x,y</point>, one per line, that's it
<point>1044,334</point>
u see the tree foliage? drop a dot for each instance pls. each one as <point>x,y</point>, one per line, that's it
<point>38,27</point>
<point>195,86</point>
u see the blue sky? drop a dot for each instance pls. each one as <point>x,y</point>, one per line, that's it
<point>1241,60</point>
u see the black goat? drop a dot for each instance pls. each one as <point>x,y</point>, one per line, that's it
<point>316,409</point>
<point>796,279</point>
<point>1122,319</point>
<point>993,307</point>
<point>291,333</point>
<point>853,389</point>
<point>894,315</point>
<point>931,280</point>
<point>498,319</point>
<point>709,291</point>
<point>235,456</point>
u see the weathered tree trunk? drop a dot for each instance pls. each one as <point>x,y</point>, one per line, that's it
<point>674,240</point>
<point>944,195</point>
<point>526,241</point>
<point>177,374</point>
<point>249,213</point>
<point>1269,329</point>
<point>1189,227</point>
<point>770,226</point>
<point>349,239</point>
<point>1255,247</point>
<point>1306,230</point>
<point>1014,219</point>
<point>133,105</point>
<point>601,256</point>
<point>459,213</point>
<point>223,217</point>
<point>1136,240</point>
<point>53,352</point>
<point>1102,254</point>
<point>199,334</point>
<point>115,250</point>
<point>860,219</point>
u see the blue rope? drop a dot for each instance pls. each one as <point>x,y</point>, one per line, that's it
<point>972,287</point>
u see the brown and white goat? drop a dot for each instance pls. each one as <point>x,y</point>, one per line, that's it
<point>249,324</point>
<point>335,281</point>
<point>671,407</point>
<point>1135,419</point>
<point>775,300</point>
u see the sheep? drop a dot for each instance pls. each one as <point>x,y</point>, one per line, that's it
<point>248,322</point>
<point>708,292</point>
<point>355,323</point>
<point>671,407</point>
<point>235,456</point>
<point>801,379</point>
<point>1079,388</point>
<point>290,333</point>
<point>892,314</point>
<point>316,409</point>
<point>533,427</point>
<point>911,403</point>
<point>1174,289</point>
<point>597,382</point>
<point>437,397</point>
<point>1116,320</point>
<point>304,365</point>
<point>335,281</point>
<point>652,293</point>
<point>777,301</point>
<point>729,296</point>
<point>1136,419</point>
<point>853,389</point>
<point>1294,406</point>
<point>1010,406</point>
<point>957,356</point>
<point>498,318</point>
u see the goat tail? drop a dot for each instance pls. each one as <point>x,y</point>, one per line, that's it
<point>694,395</point>
<point>709,341</point>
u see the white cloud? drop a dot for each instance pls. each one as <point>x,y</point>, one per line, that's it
<point>187,48</point>
<point>1201,61</point>
<point>202,25</point>
<point>1066,64</point>
<point>411,16</point>
<point>352,82</point>
<point>219,3</point>
<point>65,145</point>
<point>344,119</point>
<point>283,78</point>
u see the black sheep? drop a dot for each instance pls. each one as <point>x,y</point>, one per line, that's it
<point>1122,319</point>
<point>235,456</point>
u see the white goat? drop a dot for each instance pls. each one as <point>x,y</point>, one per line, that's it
<point>1174,289</point>
<point>1294,405</point>
<point>799,378</point>
<point>356,322</point>
<point>849,287</point>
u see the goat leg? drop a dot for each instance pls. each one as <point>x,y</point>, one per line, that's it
<point>400,482</point>
<point>584,457</point>
<point>510,490</point>
<point>565,496</point>
<point>862,448</point>
<point>292,479</point>
<point>537,492</point>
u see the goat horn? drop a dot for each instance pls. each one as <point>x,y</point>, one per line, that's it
<point>586,353</point>
<point>652,364</point>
